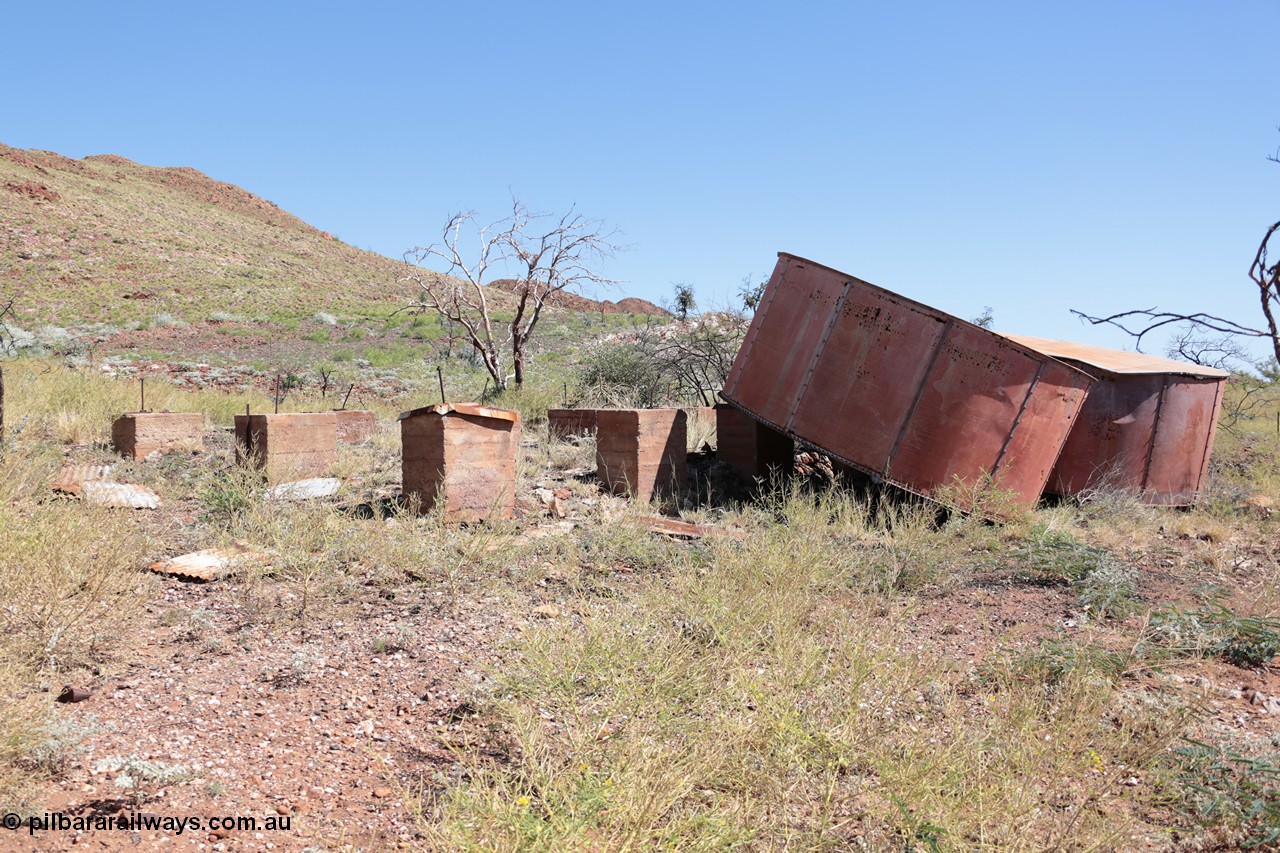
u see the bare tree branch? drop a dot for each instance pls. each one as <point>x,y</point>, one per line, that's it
<point>1264,273</point>
<point>1222,352</point>
<point>545,254</point>
<point>1150,319</point>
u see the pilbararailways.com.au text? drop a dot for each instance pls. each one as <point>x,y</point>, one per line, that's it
<point>142,822</point>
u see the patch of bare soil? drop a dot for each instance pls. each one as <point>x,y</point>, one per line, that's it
<point>344,726</point>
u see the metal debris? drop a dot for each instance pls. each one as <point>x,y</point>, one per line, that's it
<point>301,490</point>
<point>675,529</point>
<point>123,495</point>
<point>1147,426</point>
<point>212,563</point>
<point>72,477</point>
<point>74,694</point>
<point>905,393</point>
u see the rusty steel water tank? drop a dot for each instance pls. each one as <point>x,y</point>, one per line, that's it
<point>903,392</point>
<point>1147,426</point>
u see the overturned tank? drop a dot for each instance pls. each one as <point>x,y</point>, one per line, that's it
<point>903,392</point>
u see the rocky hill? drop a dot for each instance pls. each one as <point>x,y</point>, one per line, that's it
<point>108,240</point>
<point>105,239</point>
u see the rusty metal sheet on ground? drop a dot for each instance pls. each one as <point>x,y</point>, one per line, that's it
<point>212,563</point>
<point>904,392</point>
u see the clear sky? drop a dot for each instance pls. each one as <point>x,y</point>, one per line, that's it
<point>1033,157</point>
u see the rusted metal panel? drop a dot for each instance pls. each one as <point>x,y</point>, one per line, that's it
<point>1147,427</point>
<point>901,391</point>
<point>1114,360</point>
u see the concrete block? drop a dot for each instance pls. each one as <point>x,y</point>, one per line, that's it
<point>355,425</point>
<point>294,446</point>
<point>463,454</point>
<point>749,447</point>
<point>563,422</point>
<point>137,435</point>
<point>641,452</point>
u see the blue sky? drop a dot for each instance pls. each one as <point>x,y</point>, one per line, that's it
<point>1032,157</point>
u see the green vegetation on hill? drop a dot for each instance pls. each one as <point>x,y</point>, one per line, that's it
<point>105,239</point>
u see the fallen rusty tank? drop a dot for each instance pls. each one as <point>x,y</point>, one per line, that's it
<point>901,391</point>
<point>1147,426</point>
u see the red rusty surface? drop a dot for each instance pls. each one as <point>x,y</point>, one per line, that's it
<point>901,391</point>
<point>1147,426</point>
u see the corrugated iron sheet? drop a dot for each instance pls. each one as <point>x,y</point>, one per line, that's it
<point>71,478</point>
<point>121,495</point>
<point>901,391</point>
<point>301,490</point>
<point>474,409</point>
<point>1147,426</point>
<point>212,563</point>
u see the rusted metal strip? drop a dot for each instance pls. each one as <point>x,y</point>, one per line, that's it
<point>1035,380</point>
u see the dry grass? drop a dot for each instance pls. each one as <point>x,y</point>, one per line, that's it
<point>760,690</point>
<point>71,590</point>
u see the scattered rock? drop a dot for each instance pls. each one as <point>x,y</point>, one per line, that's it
<point>32,190</point>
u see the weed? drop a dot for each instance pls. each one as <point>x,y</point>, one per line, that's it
<point>750,691</point>
<point>1106,585</point>
<point>58,742</point>
<point>227,495</point>
<point>1232,794</point>
<point>1214,631</point>
<point>140,777</point>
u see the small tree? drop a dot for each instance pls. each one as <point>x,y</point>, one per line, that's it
<point>680,363</point>
<point>542,253</point>
<point>684,301</point>
<point>751,292</point>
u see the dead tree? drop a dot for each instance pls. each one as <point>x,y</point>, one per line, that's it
<point>543,254</point>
